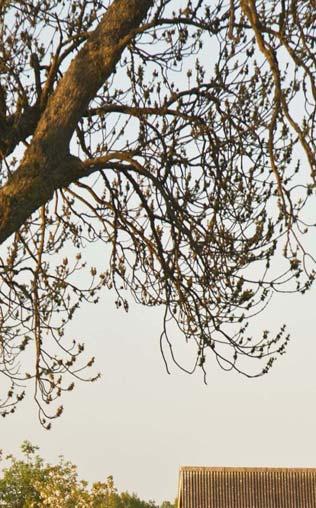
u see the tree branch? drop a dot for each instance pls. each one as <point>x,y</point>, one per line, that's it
<point>47,165</point>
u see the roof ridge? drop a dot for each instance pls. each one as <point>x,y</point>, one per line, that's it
<point>247,469</point>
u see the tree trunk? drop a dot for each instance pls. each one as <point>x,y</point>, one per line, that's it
<point>47,164</point>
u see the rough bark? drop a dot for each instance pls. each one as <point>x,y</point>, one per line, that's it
<point>47,164</point>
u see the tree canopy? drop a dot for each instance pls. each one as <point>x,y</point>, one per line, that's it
<point>33,483</point>
<point>180,136</point>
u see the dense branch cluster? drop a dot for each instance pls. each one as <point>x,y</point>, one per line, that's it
<point>191,165</point>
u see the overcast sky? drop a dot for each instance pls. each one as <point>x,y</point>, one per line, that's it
<point>140,424</point>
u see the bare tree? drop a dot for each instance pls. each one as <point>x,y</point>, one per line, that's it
<point>180,137</point>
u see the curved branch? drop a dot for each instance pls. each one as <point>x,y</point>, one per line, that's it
<point>47,165</point>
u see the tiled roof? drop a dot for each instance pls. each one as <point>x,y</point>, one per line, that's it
<point>226,487</point>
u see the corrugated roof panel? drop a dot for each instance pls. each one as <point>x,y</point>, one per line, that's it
<point>211,487</point>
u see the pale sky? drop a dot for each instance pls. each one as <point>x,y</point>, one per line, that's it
<point>140,425</point>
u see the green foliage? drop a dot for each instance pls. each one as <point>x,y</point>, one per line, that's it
<point>33,483</point>
<point>17,487</point>
<point>126,500</point>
